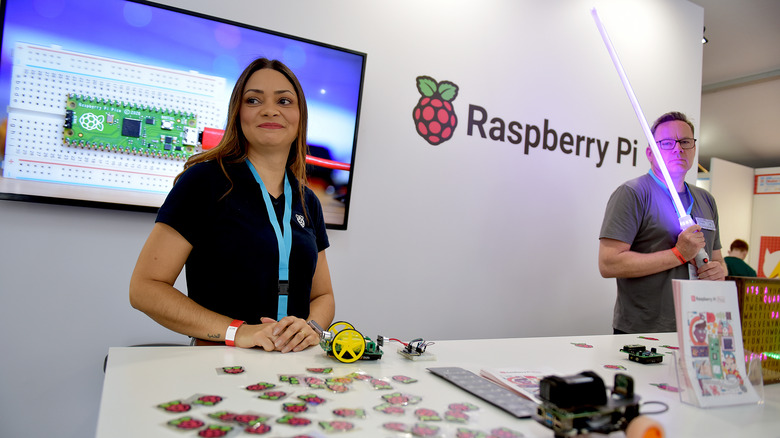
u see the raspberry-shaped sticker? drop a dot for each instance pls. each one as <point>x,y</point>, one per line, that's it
<point>463,407</point>
<point>399,399</point>
<point>424,430</point>
<point>233,370</point>
<point>343,380</point>
<point>312,399</point>
<point>434,117</point>
<point>260,386</point>
<point>424,414</point>
<point>338,388</point>
<point>349,413</point>
<point>292,420</point>
<point>257,429</point>
<point>456,416</point>
<point>581,345</point>
<point>360,376</point>
<point>292,380</point>
<point>207,400</point>
<point>272,395</point>
<point>380,384</point>
<point>397,427</point>
<point>186,423</point>
<point>336,426</point>
<point>215,431</point>
<point>295,407</point>
<point>249,419</point>
<point>320,370</point>
<point>387,408</point>
<point>462,432</point>
<point>404,379</point>
<point>223,416</point>
<point>175,406</point>
<point>314,382</point>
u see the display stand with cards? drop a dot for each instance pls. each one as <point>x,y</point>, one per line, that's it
<point>711,368</point>
<point>688,394</point>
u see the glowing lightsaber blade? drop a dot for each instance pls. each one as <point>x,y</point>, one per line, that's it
<point>685,219</point>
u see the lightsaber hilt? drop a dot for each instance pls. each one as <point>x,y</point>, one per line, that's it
<point>701,258</point>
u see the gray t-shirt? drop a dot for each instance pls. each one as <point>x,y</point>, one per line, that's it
<point>641,213</point>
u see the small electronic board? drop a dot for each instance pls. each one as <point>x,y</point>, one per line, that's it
<point>128,128</point>
<point>579,405</point>
<point>346,344</point>
<point>640,354</point>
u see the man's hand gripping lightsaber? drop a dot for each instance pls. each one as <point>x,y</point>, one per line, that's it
<point>685,219</point>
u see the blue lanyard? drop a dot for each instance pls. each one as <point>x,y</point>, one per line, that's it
<point>666,190</point>
<point>283,239</point>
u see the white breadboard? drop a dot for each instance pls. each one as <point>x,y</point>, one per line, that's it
<point>42,78</point>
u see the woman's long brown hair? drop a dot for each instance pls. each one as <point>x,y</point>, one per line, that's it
<point>233,146</point>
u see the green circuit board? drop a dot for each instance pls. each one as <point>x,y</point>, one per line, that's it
<point>129,128</point>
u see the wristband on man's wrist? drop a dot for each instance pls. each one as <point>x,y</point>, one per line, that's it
<point>230,335</point>
<point>679,255</point>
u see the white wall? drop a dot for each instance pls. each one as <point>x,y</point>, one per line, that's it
<point>732,186</point>
<point>742,213</point>
<point>473,238</point>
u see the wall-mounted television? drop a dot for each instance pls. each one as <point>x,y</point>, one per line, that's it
<point>102,101</point>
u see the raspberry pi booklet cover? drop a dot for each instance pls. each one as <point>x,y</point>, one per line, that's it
<point>524,382</point>
<point>710,335</point>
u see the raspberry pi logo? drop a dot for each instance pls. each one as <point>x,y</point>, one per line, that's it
<point>434,116</point>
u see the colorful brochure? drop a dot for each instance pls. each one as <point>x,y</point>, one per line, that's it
<point>522,381</point>
<point>710,336</point>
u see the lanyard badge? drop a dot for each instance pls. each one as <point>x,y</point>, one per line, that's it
<point>283,237</point>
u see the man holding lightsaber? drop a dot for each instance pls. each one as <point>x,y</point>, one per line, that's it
<point>641,244</point>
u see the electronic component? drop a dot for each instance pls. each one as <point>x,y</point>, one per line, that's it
<point>128,128</point>
<point>640,354</point>
<point>131,128</point>
<point>584,389</point>
<point>210,137</point>
<point>346,344</point>
<point>486,390</point>
<point>415,350</point>
<point>578,404</point>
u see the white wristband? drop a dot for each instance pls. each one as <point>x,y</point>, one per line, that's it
<point>230,335</point>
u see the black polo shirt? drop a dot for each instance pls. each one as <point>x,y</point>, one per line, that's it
<point>234,264</point>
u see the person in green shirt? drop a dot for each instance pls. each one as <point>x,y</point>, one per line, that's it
<point>735,261</point>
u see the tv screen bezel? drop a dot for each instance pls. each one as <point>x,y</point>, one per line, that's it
<point>25,197</point>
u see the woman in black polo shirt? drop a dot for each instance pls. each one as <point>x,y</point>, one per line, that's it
<point>250,233</point>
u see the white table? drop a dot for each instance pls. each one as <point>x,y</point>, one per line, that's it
<point>139,378</point>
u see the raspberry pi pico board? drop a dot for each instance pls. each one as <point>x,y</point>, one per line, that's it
<point>129,128</point>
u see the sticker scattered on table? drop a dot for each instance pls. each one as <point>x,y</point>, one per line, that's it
<point>581,345</point>
<point>293,420</point>
<point>404,379</point>
<point>400,399</point>
<point>666,387</point>
<point>336,426</point>
<point>425,414</point>
<point>349,413</point>
<point>231,370</point>
<point>186,423</point>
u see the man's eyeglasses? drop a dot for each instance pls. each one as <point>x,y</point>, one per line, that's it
<point>669,143</point>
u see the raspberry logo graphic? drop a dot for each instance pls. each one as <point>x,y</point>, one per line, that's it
<point>434,116</point>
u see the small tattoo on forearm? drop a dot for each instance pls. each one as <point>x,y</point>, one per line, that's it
<point>216,336</point>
